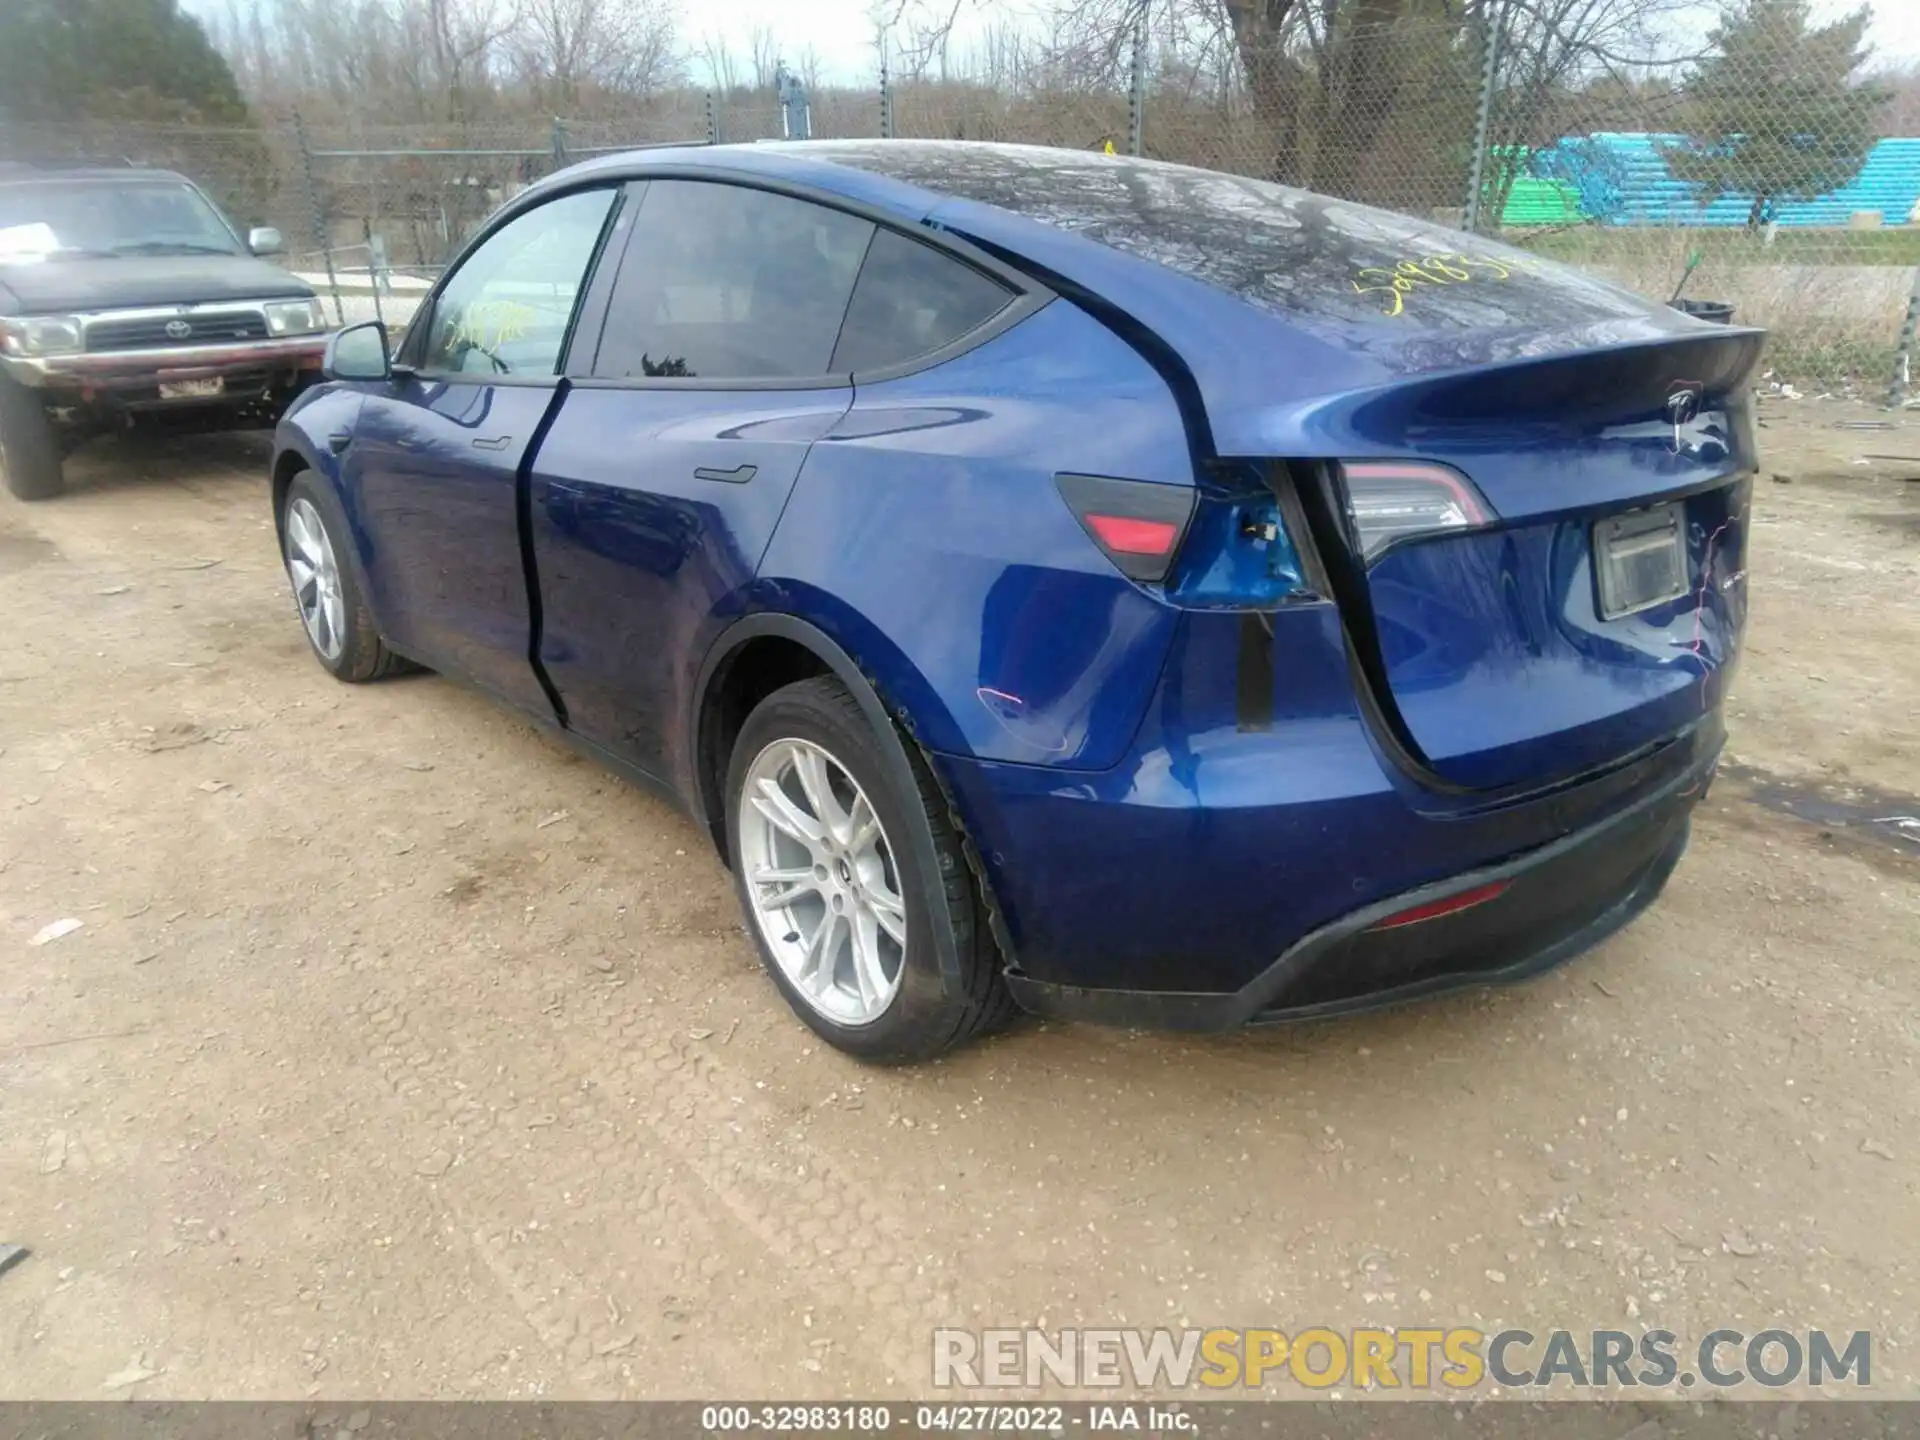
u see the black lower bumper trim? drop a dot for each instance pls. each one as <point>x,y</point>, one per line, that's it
<point>1559,901</point>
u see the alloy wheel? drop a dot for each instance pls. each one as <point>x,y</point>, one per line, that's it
<point>316,578</point>
<point>821,881</point>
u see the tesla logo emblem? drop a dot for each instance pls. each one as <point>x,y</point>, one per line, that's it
<point>1683,404</point>
<point>180,330</point>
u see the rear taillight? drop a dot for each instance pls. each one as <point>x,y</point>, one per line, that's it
<point>1434,909</point>
<point>1391,500</point>
<point>1137,523</point>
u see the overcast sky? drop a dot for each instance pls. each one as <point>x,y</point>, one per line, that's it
<point>842,32</point>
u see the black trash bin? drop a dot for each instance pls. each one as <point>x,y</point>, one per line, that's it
<point>1717,311</point>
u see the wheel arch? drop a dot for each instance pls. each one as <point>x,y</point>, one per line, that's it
<point>790,648</point>
<point>288,461</point>
<point>296,454</point>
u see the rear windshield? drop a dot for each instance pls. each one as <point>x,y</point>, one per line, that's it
<point>1286,251</point>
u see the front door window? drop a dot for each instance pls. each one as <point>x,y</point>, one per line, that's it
<point>508,308</point>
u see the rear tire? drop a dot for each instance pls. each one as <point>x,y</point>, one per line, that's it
<point>28,445</point>
<point>333,611</point>
<point>908,1012</point>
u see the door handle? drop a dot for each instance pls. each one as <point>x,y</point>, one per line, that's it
<point>739,475</point>
<point>497,442</point>
<point>338,441</point>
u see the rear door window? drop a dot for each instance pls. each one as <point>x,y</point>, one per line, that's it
<point>724,282</point>
<point>910,301</point>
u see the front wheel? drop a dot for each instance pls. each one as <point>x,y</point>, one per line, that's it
<point>827,860</point>
<point>326,591</point>
<point>28,444</point>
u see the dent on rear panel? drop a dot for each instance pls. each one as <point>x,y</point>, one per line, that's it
<point>931,514</point>
<point>1502,666</point>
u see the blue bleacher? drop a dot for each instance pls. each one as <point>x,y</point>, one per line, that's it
<point>1623,179</point>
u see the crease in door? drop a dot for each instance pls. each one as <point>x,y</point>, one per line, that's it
<point>800,475</point>
<point>529,566</point>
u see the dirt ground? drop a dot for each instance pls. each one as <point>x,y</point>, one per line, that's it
<point>400,1053</point>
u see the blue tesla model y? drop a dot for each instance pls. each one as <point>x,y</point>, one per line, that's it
<point>1058,581</point>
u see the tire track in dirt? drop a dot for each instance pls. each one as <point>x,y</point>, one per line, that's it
<point>657,1159</point>
<point>475,1173</point>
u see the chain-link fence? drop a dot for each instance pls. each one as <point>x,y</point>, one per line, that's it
<point>1755,172</point>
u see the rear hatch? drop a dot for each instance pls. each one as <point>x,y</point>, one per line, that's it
<point>1542,564</point>
<point>1527,486</point>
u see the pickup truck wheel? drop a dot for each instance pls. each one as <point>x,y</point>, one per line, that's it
<point>28,445</point>
<point>824,851</point>
<point>326,589</point>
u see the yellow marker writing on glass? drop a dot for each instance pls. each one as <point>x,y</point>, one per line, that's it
<point>1396,282</point>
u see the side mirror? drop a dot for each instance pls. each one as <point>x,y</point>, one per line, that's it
<point>359,352</point>
<point>265,240</point>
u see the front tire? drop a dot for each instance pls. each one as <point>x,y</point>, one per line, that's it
<point>28,444</point>
<point>326,588</point>
<point>826,861</point>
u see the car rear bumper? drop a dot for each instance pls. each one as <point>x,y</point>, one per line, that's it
<point>1557,901</point>
<point>1254,813</point>
<point>122,370</point>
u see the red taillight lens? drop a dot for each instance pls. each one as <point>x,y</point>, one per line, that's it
<point>1138,524</point>
<point>1434,909</point>
<point>1133,537</point>
<point>1390,500</point>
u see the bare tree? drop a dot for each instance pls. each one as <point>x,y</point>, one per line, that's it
<point>1002,57</point>
<point>348,55</point>
<point>398,60</point>
<point>624,46</point>
<point>463,39</point>
<point>1335,87</point>
<point>763,56</point>
<point>1902,113</point>
<point>807,66</point>
<point>921,31</point>
<point>722,66</point>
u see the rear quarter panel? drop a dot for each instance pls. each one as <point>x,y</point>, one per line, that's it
<point>927,537</point>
